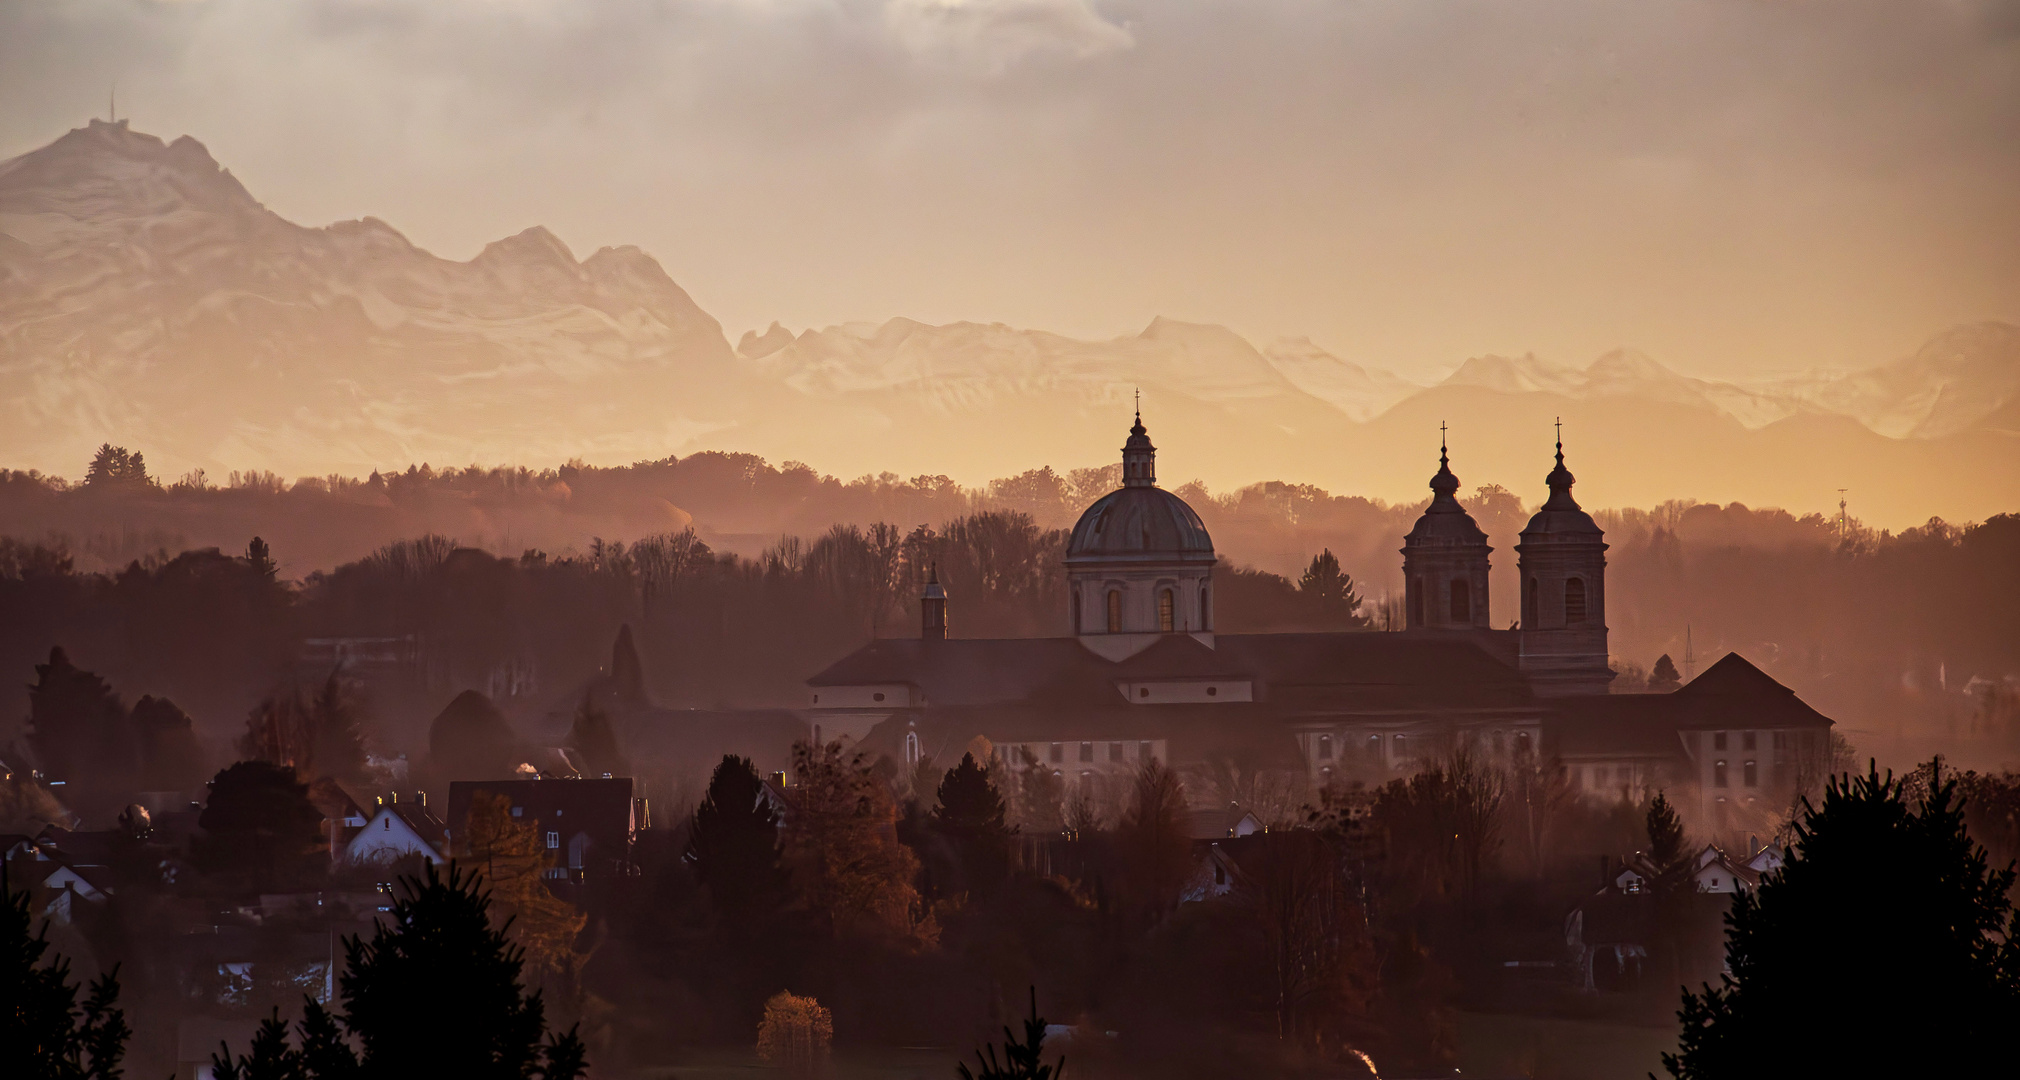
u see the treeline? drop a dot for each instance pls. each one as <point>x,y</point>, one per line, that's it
<point>220,634</point>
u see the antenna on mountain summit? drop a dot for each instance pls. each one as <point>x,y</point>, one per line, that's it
<point>112,104</point>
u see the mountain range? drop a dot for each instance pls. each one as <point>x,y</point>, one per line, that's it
<point>148,299</point>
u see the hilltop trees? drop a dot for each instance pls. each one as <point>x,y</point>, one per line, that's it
<point>1329,594</point>
<point>1664,677</point>
<point>116,467</point>
<point>1918,977</point>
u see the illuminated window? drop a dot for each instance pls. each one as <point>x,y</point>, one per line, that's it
<point>1751,774</point>
<point>1521,742</point>
<point>1574,601</point>
<point>1058,753</point>
<point>1087,751</point>
<point>554,839</point>
<point>1166,615</point>
<point>1326,746</point>
<point>1374,746</point>
<point>1114,611</point>
<point>1718,773</point>
<point>1462,602</point>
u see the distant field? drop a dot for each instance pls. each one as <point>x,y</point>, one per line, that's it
<point>879,1064</point>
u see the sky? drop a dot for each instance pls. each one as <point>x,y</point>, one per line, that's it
<point>1735,187</point>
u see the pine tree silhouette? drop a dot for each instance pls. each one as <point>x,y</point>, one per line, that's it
<point>44,1033</point>
<point>1021,1060</point>
<point>733,845</point>
<point>1884,946</point>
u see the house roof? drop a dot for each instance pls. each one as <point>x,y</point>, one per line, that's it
<point>1735,693</point>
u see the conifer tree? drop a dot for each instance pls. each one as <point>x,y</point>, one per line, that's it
<point>1023,1059</point>
<point>1330,591</point>
<point>1884,946</point>
<point>971,814</point>
<point>733,844</point>
<point>44,1033</point>
<point>258,821</point>
<point>1665,677</point>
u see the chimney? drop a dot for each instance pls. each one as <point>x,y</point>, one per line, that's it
<point>933,608</point>
<point>422,798</point>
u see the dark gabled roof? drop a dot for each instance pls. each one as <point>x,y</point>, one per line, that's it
<point>1182,656</point>
<point>424,823</point>
<point>967,671</point>
<point>1734,693</point>
<point>1378,671</point>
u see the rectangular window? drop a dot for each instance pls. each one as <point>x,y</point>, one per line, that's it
<point>1781,740</point>
<point>1326,747</point>
<point>1145,750</point>
<point>1115,751</point>
<point>1718,740</point>
<point>1747,740</point>
<point>1058,753</point>
<point>1087,751</point>
<point>1718,773</point>
<point>554,839</point>
<point>1752,774</point>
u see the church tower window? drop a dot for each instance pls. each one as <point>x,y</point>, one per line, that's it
<point>1529,603</point>
<point>1416,589</point>
<point>1574,601</point>
<point>1166,611</point>
<point>1462,602</point>
<point>1205,610</point>
<point>1115,611</point>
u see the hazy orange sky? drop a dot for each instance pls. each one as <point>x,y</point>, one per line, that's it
<point>1733,186</point>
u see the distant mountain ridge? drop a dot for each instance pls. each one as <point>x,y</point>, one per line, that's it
<point>147,298</point>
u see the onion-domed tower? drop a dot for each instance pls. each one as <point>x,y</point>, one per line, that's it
<point>1445,562</point>
<point>1139,564</point>
<point>1562,563</point>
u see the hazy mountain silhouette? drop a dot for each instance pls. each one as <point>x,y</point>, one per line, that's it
<point>146,298</point>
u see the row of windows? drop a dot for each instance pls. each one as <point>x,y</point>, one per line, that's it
<point>1086,752</point>
<point>1749,740</point>
<point>1167,610</point>
<point>1372,745</point>
<point>1749,772</point>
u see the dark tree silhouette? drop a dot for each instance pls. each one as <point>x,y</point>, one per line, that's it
<point>436,992</point>
<point>595,739</point>
<point>80,734</point>
<point>627,674</point>
<point>1329,592</point>
<point>1023,1059</point>
<point>972,815</point>
<point>470,740</point>
<point>733,844</point>
<point>171,756</point>
<point>1665,677</point>
<point>44,1033</point>
<point>261,559</point>
<point>1885,946</point>
<point>258,822</point>
<point>116,467</point>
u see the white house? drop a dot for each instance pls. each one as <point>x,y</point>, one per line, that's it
<point>397,830</point>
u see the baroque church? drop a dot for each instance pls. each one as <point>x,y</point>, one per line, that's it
<point>1143,675</point>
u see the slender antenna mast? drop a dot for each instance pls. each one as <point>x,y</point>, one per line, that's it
<point>1844,520</point>
<point>1689,656</point>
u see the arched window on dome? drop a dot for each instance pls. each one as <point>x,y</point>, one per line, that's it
<point>1115,611</point>
<point>911,748</point>
<point>1462,602</point>
<point>1529,603</point>
<point>1574,601</point>
<point>1167,611</point>
<point>1416,591</point>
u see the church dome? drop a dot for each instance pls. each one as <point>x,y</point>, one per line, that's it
<point>1139,521</point>
<point>1561,518</point>
<point>1445,523</point>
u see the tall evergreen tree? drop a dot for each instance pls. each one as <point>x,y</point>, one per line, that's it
<point>1884,946</point>
<point>44,1033</point>
<point>971,814</point>
<point>436,992</point>
<point>627,674</point>
<point>593,736</point>
<point>81,736</point>
<point>1329,592</point>
<point>1664,677</point>
<point>261,558</point>
<point>733,843</point>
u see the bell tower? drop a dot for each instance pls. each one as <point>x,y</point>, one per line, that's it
<point>1562,563</point>
<point>933,608</point>
<point>1445,561</point>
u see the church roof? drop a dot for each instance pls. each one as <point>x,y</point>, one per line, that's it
<point>1732,693</point>
<point>1139,524</point>
<point>1335,671</point>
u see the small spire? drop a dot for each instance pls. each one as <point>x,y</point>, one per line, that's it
<point>1444,484</point>
<point>1560,478</point>
<point>933,573</point>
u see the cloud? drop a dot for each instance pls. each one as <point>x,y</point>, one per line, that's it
<point>995,34</point>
